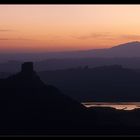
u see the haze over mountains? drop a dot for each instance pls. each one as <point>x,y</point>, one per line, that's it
<point>127,55</point>
<point>130,49</point>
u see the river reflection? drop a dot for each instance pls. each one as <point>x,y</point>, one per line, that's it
<point>116,105</point>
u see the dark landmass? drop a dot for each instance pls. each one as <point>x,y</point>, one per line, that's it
<point>112,83</point>
<point>104,84</point>
<point>29,106</point>
<point>48,103</point>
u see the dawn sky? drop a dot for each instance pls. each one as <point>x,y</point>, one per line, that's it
<point>34,28</point>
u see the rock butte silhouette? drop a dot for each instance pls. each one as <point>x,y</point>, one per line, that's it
<point>27,67</point>
<point>27,103</point>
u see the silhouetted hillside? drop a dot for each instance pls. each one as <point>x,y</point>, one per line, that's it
<point>27,103</point>
<point>28,106</point>
<point>106,83</point>
<point>57,64</point>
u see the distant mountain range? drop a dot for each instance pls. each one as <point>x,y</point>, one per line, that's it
<point>130,49</point>
<point>127,55</point>
<point>112,83</point>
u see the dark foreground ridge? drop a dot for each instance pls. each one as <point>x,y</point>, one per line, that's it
<point>28,106</point>
<point>27,103</point>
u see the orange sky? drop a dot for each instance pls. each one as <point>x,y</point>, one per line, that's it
<point>34,28</point>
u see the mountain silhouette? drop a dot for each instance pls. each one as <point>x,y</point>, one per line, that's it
<point>126,54</point>
<point>104,83</point>
<point>129,49</point>
<point>27,103</point>
<point>128,45</point>
<point>29,106</point>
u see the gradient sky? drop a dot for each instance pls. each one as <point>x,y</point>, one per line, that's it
<point>32,28</point>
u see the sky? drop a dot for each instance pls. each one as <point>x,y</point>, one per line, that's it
<point>40,28</point>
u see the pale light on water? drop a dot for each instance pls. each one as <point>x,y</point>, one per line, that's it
<point>116,105</point>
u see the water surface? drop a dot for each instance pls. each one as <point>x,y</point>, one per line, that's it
<point>116,105</point>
